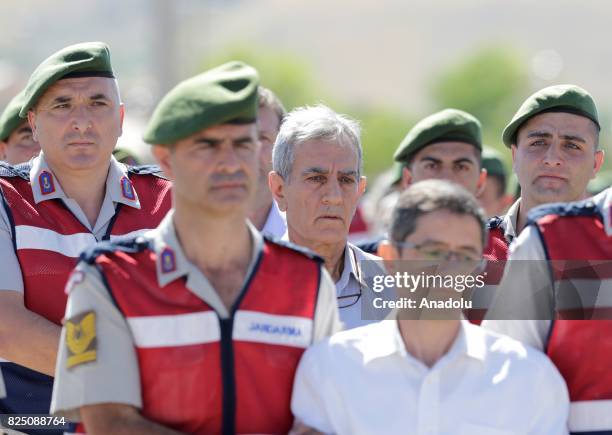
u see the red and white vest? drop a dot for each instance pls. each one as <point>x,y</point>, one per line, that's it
<point>48,238</point>
<point>202,374</point>
<point>581,349</point>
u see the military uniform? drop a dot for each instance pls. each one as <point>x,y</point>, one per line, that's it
<point>566,305</point>
<point>43,232</point>
<point>146,328</point>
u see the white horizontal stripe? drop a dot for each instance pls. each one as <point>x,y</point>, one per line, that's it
<point>175,330</point>
<point>29,237</point>
<point>272,329</point>
<point>590,415</point>
<point>2,360</point>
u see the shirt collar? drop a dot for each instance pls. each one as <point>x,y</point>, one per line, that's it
<point>276,223</point>
<point>604,202</point>
<point>171,262</point>
<point>352,266</point>
<point>45,185</point>
<point>119,185</point>
<point>510,221</point>
<point>385,339</point>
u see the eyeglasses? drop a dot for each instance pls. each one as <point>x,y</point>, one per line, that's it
<point>346,301</point>
<point>439,254</point>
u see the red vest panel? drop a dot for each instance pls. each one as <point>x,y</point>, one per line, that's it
<point>202,374</point>
<point>581,349</point>
<point>45,271</point>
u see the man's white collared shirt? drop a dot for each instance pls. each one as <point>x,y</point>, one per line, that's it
<point>363,381</point>
<point>276,222</point>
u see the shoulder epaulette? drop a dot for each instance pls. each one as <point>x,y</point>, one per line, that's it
<point>292,246</point>
<point>130,245</point>
<point>21,170</point>
<point>494,222</point>
<point>586,207</point>
<point>147,170</point>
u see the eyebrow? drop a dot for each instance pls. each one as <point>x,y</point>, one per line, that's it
<point>61,99</point>
<point>99,96</point>
<point>317,170</point>
<point>459,160</point>
<point>243,139</point>
<point>543,134</point>
<point>24,129</point>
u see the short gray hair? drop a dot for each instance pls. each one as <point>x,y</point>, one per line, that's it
<point>432,195</point>
<point>312,123</point>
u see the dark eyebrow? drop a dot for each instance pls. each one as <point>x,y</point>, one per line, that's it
<point>241,140</point>
<point>539,134</point>
<point>573,138</point>
<point>463,160</point>
<point>25,129</point>
<point>61,99</point>
<point>314,170</point>
<point>431,159</point>
<point>208,141</point>
<point>351,173</point>
<point>99,97</point>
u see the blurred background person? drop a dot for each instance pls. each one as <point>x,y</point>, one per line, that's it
<point>17,144</point>
<point>494,198</point>
<point>265,214</point>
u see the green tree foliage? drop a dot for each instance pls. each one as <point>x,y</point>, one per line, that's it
<point>491,84</point>
<point>294,81</point>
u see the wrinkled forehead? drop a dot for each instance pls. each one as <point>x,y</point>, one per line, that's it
<point>88,86</point>
<point>559,123</point>
<point>331,154</point>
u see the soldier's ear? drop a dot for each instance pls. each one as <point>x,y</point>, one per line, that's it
<point>406,178</point>
<point>32,122</point>
<point>277,187</point>
<point>3,150</point>
<point>162,155</point>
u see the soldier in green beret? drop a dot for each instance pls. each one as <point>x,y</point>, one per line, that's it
<point>554,140</point>
<point>17,144</point>
<point>201,322</point>
<point>446,145</point>
<point>494,199</point>
<point>73,194</point>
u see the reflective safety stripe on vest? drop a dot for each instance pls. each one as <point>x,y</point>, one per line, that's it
<point>203,374</point>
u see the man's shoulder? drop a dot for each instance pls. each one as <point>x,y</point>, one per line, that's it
<point>504,350</point>
<point>21,170</point>
<point>586,207</point>
<point>146,170</point>
<point>291,248</point>
<point>128,245</point>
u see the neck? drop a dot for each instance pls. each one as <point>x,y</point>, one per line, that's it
<point>212,242</point>
<point>261,209</point>
<point>428,340</point>
<point>332,253</point>
<point>529,203</point>
<point>86,187</point>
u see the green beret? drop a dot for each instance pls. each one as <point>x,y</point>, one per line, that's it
<point>217,96</point>
<point>493,162</point>
<point>10,120</point>
<point>88,59</point>
<point>559,98</point>
<point>449,125</point>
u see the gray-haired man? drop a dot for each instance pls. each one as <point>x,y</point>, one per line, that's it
<point>317,181</point>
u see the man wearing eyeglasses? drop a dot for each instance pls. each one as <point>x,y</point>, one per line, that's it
<point>443,376</point>
<point>317,181</point>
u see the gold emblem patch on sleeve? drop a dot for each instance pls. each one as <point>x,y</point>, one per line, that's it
<point>81,339</point>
